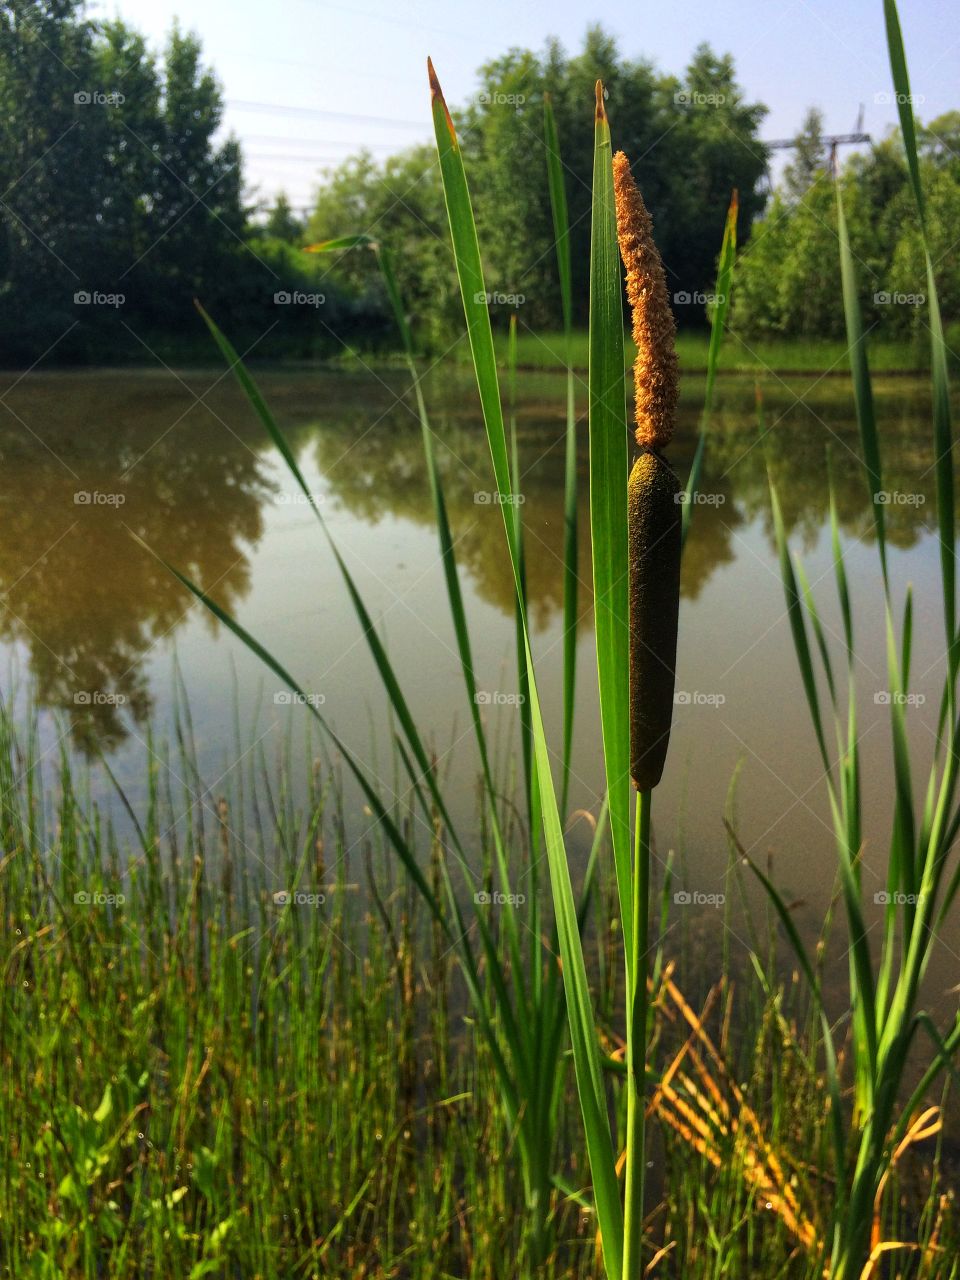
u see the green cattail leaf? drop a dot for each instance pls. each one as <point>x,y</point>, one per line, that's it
<point>609,469</point>
<point>561,229</point>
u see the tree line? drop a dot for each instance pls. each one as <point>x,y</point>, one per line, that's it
<point>120,203</point>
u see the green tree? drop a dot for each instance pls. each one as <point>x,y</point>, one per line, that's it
<point>691,141</point>
<point>786,277</point>
<point>400,202</point>
<point>810,159</point>
<point>282,223</point>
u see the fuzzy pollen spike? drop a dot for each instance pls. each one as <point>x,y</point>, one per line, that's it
<point>655,370</point>
<point>654,524</point>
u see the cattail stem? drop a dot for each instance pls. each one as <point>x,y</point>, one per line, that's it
<point>637,1046</point>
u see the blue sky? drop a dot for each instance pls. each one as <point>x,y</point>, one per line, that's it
<point>298,75</point>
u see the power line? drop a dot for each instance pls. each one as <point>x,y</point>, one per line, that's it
<point>288,139</point>
<point>316,113</point>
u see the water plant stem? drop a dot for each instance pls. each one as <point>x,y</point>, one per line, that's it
<point>637,1044</point>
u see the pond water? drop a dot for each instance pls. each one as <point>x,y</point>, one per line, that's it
<point>93,621</point>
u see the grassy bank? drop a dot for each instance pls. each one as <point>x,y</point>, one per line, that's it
<point>546,351</point>
<point>201,1079</point>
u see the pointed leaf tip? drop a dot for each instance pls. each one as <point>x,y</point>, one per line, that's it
<point>436,96</point>
<point>601,110</point>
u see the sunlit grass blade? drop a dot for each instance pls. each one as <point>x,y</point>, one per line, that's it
<point>862,387</point>
<point>561,231</point>
<point>942,426</point>
<point>718,321</point>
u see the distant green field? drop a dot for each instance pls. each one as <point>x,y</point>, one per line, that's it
<point>546,351</point>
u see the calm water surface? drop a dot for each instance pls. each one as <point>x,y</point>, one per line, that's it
<point>181,461</point>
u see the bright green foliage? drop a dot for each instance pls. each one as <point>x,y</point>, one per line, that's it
<point>785,285</point>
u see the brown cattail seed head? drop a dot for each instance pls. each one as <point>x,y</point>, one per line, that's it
<point>654,521</point>
<point>655,370</point>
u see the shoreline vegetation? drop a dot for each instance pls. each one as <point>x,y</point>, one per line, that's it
<point>543,352</point>
<point>234,1042</point>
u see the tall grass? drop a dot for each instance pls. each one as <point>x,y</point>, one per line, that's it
<point>204,1081</point>
<point>887,1016</point>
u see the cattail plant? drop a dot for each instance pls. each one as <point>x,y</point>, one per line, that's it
<point>653,500</point>
<point>654,543</point>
